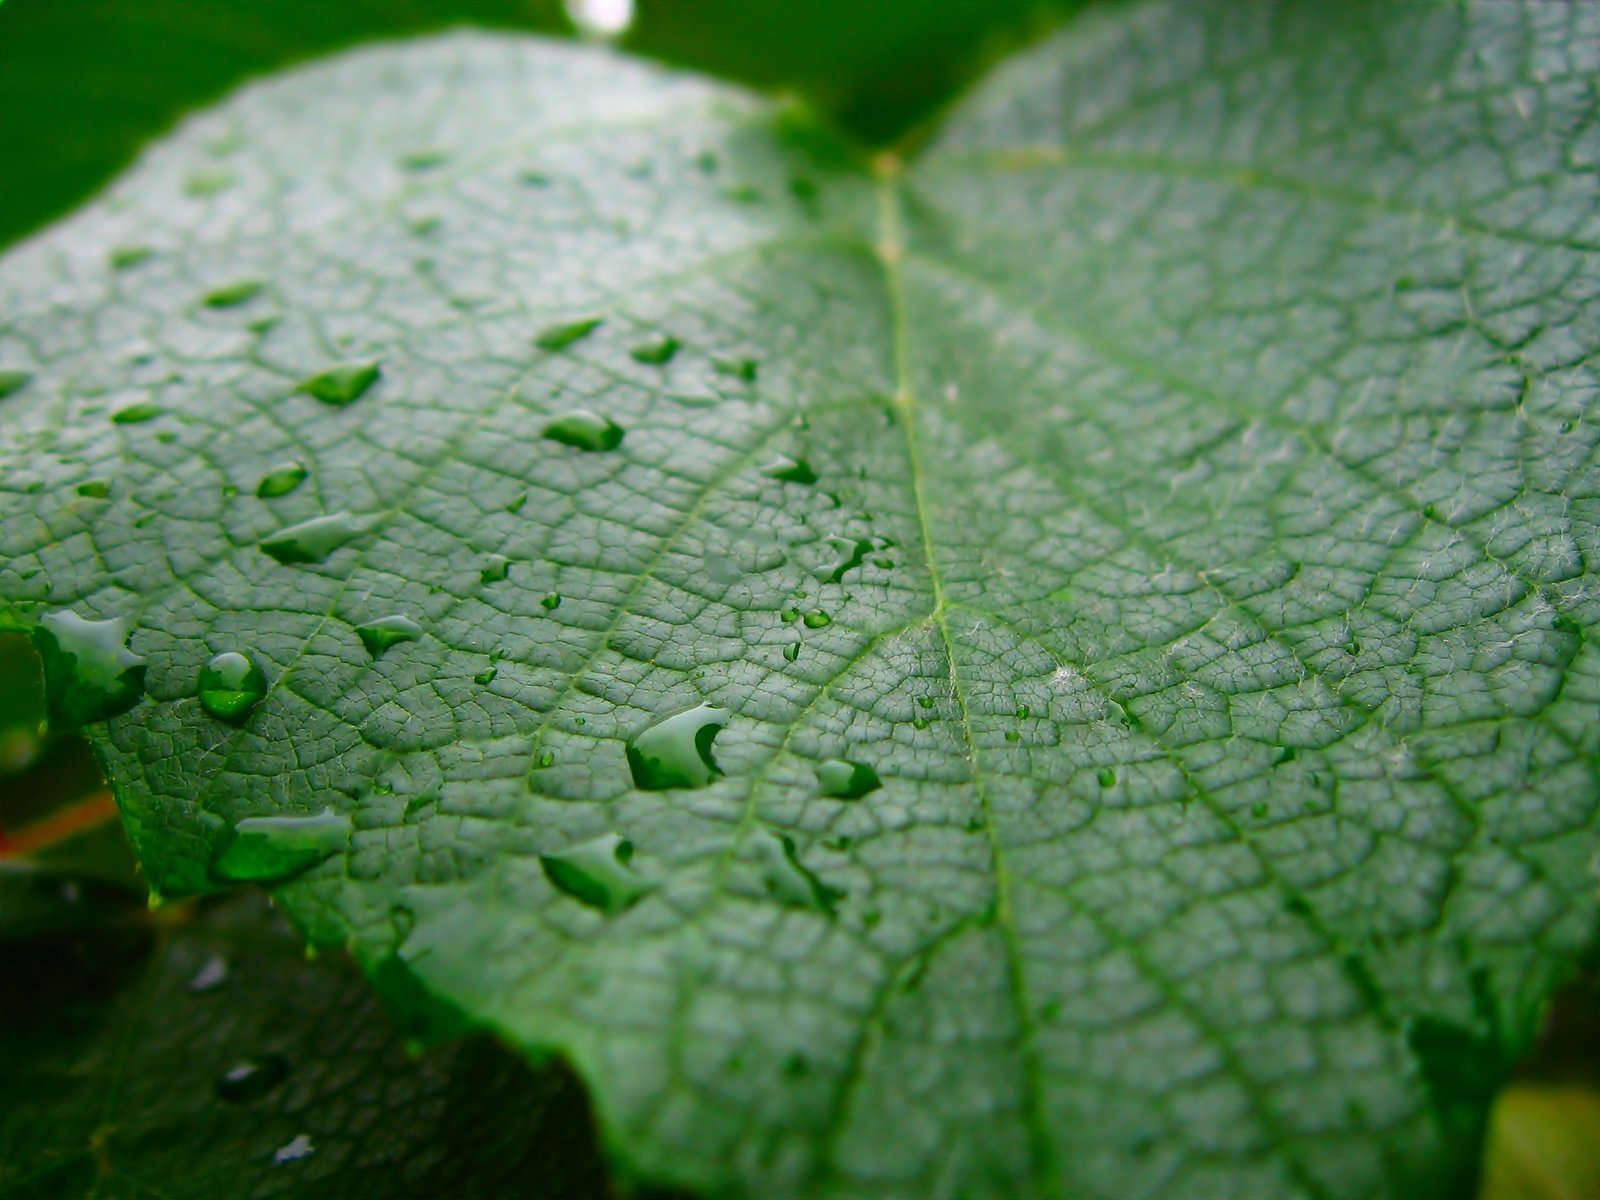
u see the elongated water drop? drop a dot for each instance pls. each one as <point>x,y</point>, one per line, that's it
<point>234,294</point>
<point>567,333</point>
<point>252,1078</point>
<point>486,676</point>
<point>849,553</point>
<point>846,780</point>
<point>267,849</point>
<point>496,569</point>
<point>597,873</point>
<point>94,489</point>
<point>743,369</point>
<point>231,686</point>
<point>676,752</point>
<point>791,652</point>
<point>137,414</point>
<point>790,470</point>
<point>380,633</point>
<point>12,381</point>
<point>312,541</point>
<point>281,480</point>
<point>89,673</point>
<point>657,352</point>
<point>786,879</point>
<point>585,430</point>
<point>124,258</point>
<point>343,383</point>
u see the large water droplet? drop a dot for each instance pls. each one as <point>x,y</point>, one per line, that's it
<point>791,652</point>
<point>12,381</point>
<point>597,873</point>
<point>657,352</point>
<point>496,569</point>
<point>281,480</point>
<point>787,879</point>
<point>790,470</point>
<point>312,541</point>
<point>89,673</point>
<point>230,686</point>
<point>380,633</point>
<point>846,780</point>
<point>676,752</point>
<point>848,555</point>
<point>1106,777</point>
<point>342,383</point>
<point>266,849</point>
<point>559,337</point>
<point>550,602</point>
<point>585,430</point>
<point>252,1078</point>
<point>817,619</point>
<point>234,294</point>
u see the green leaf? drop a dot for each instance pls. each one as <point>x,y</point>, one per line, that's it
<point>203,1056</point>
<point>1198,557</point>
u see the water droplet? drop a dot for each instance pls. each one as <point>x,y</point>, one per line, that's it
<point>312,541</point>
<point>231,686</point>
<point>423,160</point>
<point>207,183</point>
<point>213,973</point>
<point>13,381</point>
<point>846,780</point>
<point>516,505</point>
<point>601,18</point>
<point>267,849</point>
<point>1284,754</point>
<point>123,258</point>
<point>1023,712</point>
<point>657,352</point>
<point>789,614</point>
<point>94,489</point>
<point>585,430</point>
<point>137,414</point>
<point>791,651</point>
<point>849,553</point>
<point>486,676</point>
<point>497,568</point>
<point>1013,736</point>
<point>298,1147</point>
<point>925,701</point>
<point>597,873</point>
<point>559,337</point>
<point>89,673</point>
<point>743,369</point>
<point>1259,809</point>
<point>790,470</point>
<point>380,633</point>
<point>817,619</point>
<point>343,383</point>
<point>252,1078</point>
<point>281,480</point>
<point>234,294</point>
<point>919,722</point>
<point>547,758</point>
<point>786,879</point>
<point>676,752</point>
<point>1106,776</point>
<point>551,602</point>
<point>229,492</point>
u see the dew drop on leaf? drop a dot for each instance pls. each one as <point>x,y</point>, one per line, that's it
<point>89,673</point>
<point>817,619</point>
<point>597,873</point>
<point>496,569</point>
<point>846,780</point>
<point>343,383</point>
<point>925,701</point>
<point>657,352</point>
<point>791,651</point>
<point>312,541</point>
<point>13,381</point>
<point>94,489</point>
<point>281,480</point>
<point>1106,776</point>
<point>266,849</point>
<point>790,470</point>
<point>124,258</point>
<point>232,295</point>
<point>786,879</point>
<point>231,686</point>
<point>136,414</point>
<point>585,430</point>
<point>789,614</point>
<point>848,554</point>
<point>252,1078</point>
<point>567,333</point>
<point>486,676</point>
<point>744,369</point>
<point>551,602</point>
<point>676,751</point>
<point>380,633</point>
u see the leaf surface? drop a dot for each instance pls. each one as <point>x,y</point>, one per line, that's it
<point>1198,559</point>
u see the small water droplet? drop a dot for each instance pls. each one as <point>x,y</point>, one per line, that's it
<point>124,258</point>
<point>252,1078</point>
<point>1284,754</point>
<point>297,1148</point>
<point>137,414</point>
<point>281,480</point>
<point>496,569</point>
<point>1023,712</point>
<point>585,430</point>
<point>94,489</point>
<point>919,722</point>
<point>423,160</point>
<point>547,758</point>
<point>234,294</point>
<point>597,873</point>
<point>743,369</point>
<point>551,602</point>
<point>925,701</point>
<point>381,633</point>
<point>791,651</point>
<point>846,780</point>
<point>559,337</point>
<point>657,352</point>
<point>13,381</point>
<point>849,552</point>
<point>790,470</point>
<point>486,676</point>
<point>207,183</point>
<point>817,619</point>
<point>267,849</point>
<point>789,614</point>
<point>786,879</point>
<point>676,751</point>
<point>90,674</point>
<point>343,383</point>
<point>229,492</point>
<point>1259,809</point>
<point>1106,776</point>
<point>312,541</point>
<point>213,973</point>
<point>1013,736</point>
<point>516,504</point>
<point>231,686</point>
